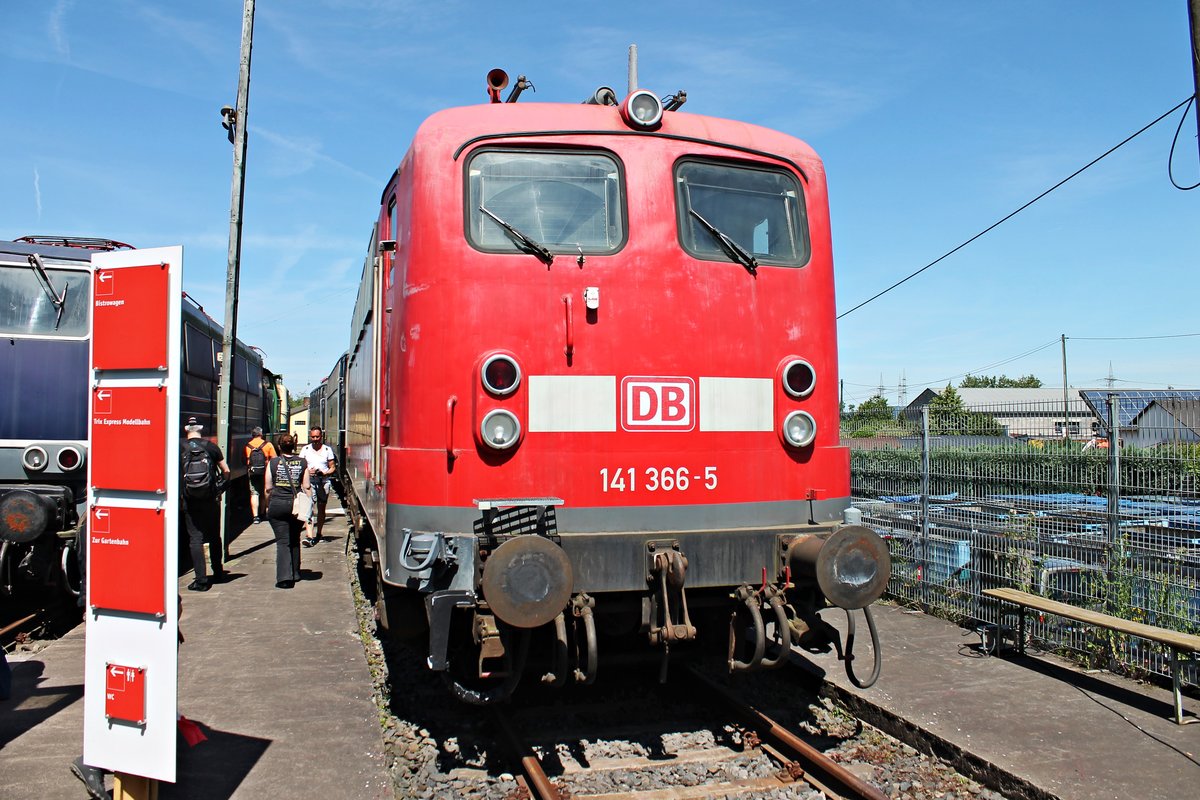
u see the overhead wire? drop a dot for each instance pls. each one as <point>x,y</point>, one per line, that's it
<point>1009,216</point>
<point>979,371</point>
<point>1130,338</point>
<point>1179,127</point>
<point>1171,157</point>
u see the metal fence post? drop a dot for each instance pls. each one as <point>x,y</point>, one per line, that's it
<point>925,572</point>
<point>1113,539</point>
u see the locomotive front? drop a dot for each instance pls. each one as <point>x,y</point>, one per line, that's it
<point>606,371</point>
<point>44,321</point>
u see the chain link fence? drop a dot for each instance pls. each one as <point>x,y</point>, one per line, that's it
<point>1040,498</point>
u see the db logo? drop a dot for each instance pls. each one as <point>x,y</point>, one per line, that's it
<point>658,404</point>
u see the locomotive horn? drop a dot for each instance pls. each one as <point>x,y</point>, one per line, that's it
<point>852,565</point>
<point>497,79</point>
<point>604,96</point>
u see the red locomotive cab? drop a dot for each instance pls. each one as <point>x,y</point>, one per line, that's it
<point>610,326</point>
<point>637,334</point>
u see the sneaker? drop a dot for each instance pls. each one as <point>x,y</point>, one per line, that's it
<point>92,778</point>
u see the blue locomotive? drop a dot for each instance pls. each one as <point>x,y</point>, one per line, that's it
<point>45,324</point>
<point>45,331</point>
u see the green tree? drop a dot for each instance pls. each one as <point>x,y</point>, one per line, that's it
<point>875,409</point>
<point>947,401</point>
<point>999,382</point>
<point>872,417</point>
<point>948,415</point>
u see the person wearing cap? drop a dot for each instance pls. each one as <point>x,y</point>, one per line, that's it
<point>202,516</point>
<point>258,477</point>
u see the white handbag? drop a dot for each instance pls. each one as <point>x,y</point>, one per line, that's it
<point>302,506</point>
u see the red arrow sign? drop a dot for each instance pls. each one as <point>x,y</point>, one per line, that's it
<point>125,693</point>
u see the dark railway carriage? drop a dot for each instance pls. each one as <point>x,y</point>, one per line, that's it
<point>593,377</point>
<point>45,325</point>
<point>250,398</point>
<point>327,409</point>
<point>276,404</point>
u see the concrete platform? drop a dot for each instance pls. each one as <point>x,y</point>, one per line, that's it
<point>277,680</point>
<point>1042,725</point>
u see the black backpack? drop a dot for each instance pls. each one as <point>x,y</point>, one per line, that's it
<point>257,463</point>
<point>199,472</point>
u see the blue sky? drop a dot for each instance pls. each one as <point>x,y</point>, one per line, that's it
<point>935,120</point>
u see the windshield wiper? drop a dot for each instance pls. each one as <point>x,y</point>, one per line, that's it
<point>735,251</point>
<point>59,300</point>
<point>523,241</point>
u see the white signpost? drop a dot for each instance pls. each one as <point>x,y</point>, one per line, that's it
<point>131,661</point>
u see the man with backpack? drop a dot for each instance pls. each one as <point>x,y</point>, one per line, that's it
<point>204,475</point>
<point>258,452</point>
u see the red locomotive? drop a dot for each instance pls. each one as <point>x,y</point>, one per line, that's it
<point>592,390</point>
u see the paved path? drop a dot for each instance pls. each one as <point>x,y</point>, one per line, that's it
<point>277,679</point>
<point>1075,734</point>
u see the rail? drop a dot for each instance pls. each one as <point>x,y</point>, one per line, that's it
<point>816,767</point>
<point>537,782</point>
<point>799,760</point>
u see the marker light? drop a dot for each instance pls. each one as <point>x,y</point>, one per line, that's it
<point>799,378</point>
<point>34,458</point>
<point>500,429</point>
<point>69,458</point>
<point>799,429</point>
<point>642,109</point>
<point>501,375</point>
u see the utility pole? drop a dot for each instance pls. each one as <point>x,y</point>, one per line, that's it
<point>236,123</point>
<point>1194,23</point>
<point>633,68</point>
<point>1066,403</point>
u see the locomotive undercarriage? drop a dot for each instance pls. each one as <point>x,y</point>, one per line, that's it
<point>40,538</point>
<point>516,593</point>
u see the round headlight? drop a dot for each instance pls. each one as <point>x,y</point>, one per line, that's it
<point>799,378</point>
<point>500,429</point>
<point>34,458</point>
<point>799,429</point>
<point>501,375</point>
<point>642,109</point>
<point>69,458</point>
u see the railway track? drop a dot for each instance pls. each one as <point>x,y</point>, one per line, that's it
<point>628,736</point>
<point>748,755</point>
<point>22,622</point>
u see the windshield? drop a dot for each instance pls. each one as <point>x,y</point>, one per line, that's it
<point>27,309</point>
<point>565,202</point>
<point>760,210</point>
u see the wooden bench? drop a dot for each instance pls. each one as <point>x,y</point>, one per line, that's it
<point>1184,646</point>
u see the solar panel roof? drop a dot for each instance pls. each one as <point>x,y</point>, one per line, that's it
<point>1131,402</point>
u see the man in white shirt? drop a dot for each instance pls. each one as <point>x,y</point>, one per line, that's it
<point>319,460</point>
